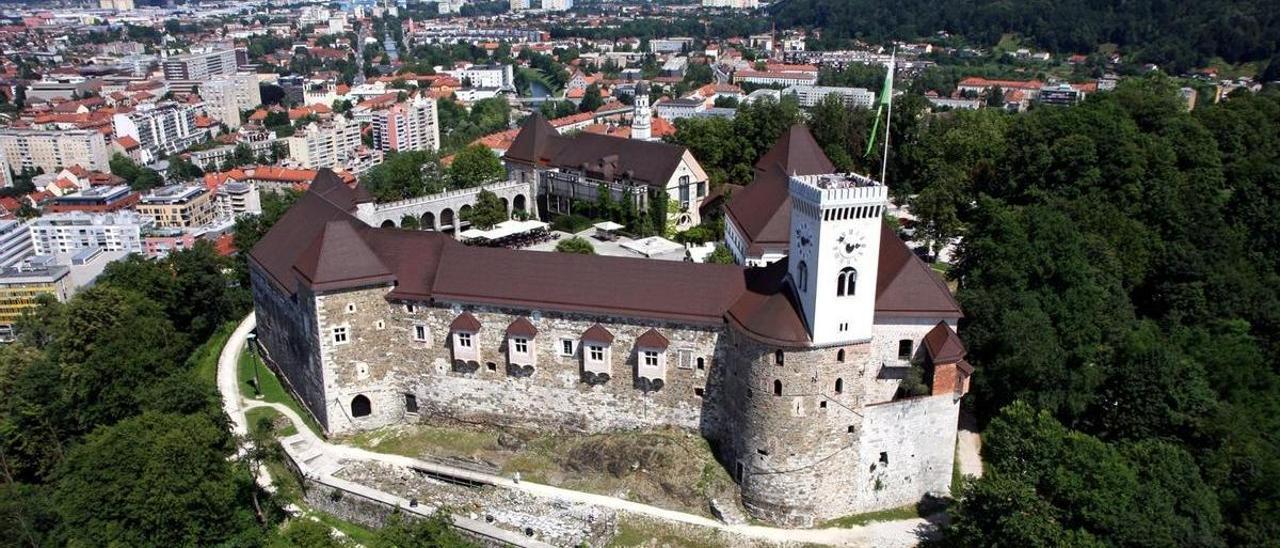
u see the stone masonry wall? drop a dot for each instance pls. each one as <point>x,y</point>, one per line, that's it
<point>909,448</point>
<point>288,330</point>
<point>888,331</point>
<point>383,362</point>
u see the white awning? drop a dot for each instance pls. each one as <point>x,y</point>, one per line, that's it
<point>609,226</point>
<point>504,229</point>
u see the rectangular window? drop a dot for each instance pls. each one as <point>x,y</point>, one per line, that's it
<point>464,339</point>
<point>596,353</point>
<point>702,189</point>
<point>650,358</point>
<point>904,349</point>
<point>521,345</point>
<point>340,335</point>
<point>566,347</point>
<point>410,308</point>
<point>686,359</point>
<point>410,403</point>
<point>420,333</point>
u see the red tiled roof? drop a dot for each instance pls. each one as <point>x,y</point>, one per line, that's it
<point>522,327</point>
<point>944,345</point>
<point>597,333</point>
<point>465,322</point>
<point>652,339</point>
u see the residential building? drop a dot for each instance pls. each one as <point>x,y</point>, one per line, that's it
<point>226,96</point>
<point>675,109</point>
<point>778,75</point>
<point>201,66</point>
<point>60,276</point>
<point>159,129</point>
<point>98,199</point>
<point>407,126</point>
<point>485,76</point>
<point>557,5</point>
<point>15,241</point>
<point>731,4</point>
<point>234,199</point>
<point>178,206</point>
<point>71,231</point>
<point>329,144</point>
<point>809,96</point>
<point>52,150</point>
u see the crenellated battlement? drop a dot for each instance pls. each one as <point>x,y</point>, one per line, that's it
<point>837,189</point>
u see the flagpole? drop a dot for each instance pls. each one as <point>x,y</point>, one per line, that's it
<point>884,165</point>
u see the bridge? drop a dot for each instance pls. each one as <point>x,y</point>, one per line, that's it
<point>444,211</point>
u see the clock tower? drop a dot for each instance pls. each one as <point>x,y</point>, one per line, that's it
<point>834,253</point>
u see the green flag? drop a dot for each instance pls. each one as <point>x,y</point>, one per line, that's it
<point>886,99</point>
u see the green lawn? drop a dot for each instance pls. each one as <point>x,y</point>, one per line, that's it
<point>204,361</point>
<point>638,531</point>
<point>272,390</point>
<point>892,514</point>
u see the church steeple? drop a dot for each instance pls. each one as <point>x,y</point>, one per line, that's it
<point>642,122</point>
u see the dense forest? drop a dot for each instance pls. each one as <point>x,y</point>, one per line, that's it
<point>1181,35</point>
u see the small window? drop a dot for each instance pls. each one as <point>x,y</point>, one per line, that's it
<point>840,355</point>
<point>464,339</point>
<point>566,347</point>
<point>360,406</point>
<point>884,457</point>
<point>702,364</point>
<point>698,392</point>
<point>650,358</point>
<point>410,308</point>
<point>905,348</point>
<point>803,272</point>
<point>777,357</point>
<point>777,387</point>
<point>839,386</point>
<point>379,325</point>
<point>410,403</point>
<point>351,307</point>
<point>822,404</point>
<point>340,335</point>
<point>844,327</point>
<point>420,333</point>
<point>596,353</point>
<point>491,366</point>
<point>521,345</point>
<point>846,282</point>
<point>851,429</point>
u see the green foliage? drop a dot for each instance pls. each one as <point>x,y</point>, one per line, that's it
<point>487,211</point>
<point>189,285</point>
<point>591,99</point>
<point>576,244</point>
<point>571,223</point>
<point>404,175</point>
<point>431,532</point>
<point>727,149</point>
<point>181,169</point>
<point>556,109</point>
<point>410,222</point>
<point>474,166</point>
<point>721,255</point>
<point>139,178</point>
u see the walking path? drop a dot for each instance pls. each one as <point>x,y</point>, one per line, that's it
<point>317,458</point>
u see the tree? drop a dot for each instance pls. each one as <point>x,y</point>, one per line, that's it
<point>487,211</point>
<point>156,479</point>
<point>404,175</point>
<point>410,222</point>
<point>474,166</point>
<point>721,255</point>
<point>181,168</point>
<point>591,99</point>
<point>435,531</point>
<point>576,244</point>
<point>995,97</point>
<point>139,178</point>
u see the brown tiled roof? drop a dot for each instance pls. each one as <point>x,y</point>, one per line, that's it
<point>766,309</point>
<point>521,327</point>
<point>597,333</point>
<point>905,286</point>
<point>600,156</point>
<point>944,345</point>
<point>465,322</point>
<point>763,209</point>
<point>338,257</point>
<point>652,339</point>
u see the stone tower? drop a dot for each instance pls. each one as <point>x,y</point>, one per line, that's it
<point>641,123</point>
<point>834,253</point>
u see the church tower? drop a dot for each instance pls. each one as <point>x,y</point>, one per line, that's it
<point>641,123</point>
<point>834,253</point>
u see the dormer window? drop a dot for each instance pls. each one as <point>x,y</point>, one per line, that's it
<point>651,351</point>
<point>597,362</point>
<point>465,344</point>
<point>650,358</point>
<point>521,357</point>
<point>521,345</point>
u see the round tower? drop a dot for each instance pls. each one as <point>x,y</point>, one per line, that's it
<point>641,123</point>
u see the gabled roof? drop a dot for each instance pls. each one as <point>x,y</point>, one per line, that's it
<point>652,339</point>
<point>796,152</point>
<point>532,140</point>
<point>521,327</point>
<point>600,156</point>
<point>944,345</point>
<point>905,286</point>
<point>597,333</point>
<point>338,257</point>
<point>465,322</point>
<point>763,209</point>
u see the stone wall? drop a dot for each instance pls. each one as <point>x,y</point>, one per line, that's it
<point>384,363</point>
<point>909,448</point>
<point>888,331</point>
<point>288,331</point>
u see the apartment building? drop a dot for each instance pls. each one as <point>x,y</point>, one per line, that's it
<point>200,66</point>
<point>71,231</point>
<point>407,126</point>
<point>178,206</point>
<point>52,150</point>
<point>98,199</point>
<point>15,241</point>
<point>225,96</point>
<point>235,199</point>
<point>809,96</point>
<point>330,144</point>
<point>160,129</point>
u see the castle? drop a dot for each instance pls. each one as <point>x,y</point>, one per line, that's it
<point>792,368</point>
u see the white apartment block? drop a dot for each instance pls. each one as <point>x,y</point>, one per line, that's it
<point>200,66</point>
<point>160,129</point>
<point>486,76</point>
<point>52,150</point>
<point>328,145</point>
<point>234,200</point>
<point>517,5</point>
<point>15,242</point>
<point>732,4</point>
<point>809,96</point>
<point>225,96</point>
<point>72,231</point>
<point>557,5</point>
<point>407,126</point>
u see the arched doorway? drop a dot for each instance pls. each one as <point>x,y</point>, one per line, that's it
<point>506,206</point>
<point>428,221</point>
<point>360,406</point>
<point>519,203</point>
<point>464,213</point>
<point>388,224</point>
<point>446,220</point>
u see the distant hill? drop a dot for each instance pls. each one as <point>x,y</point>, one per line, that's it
<point>1167,32</point>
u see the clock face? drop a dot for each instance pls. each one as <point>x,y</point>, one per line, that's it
<point>850,245</point>
<point>803,240</point>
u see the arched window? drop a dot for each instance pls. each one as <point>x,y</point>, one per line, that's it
<point>777,357</point>
<point>777,387</point>
<point>846,282</point>
<point>839,386</point>
<point>803,272</point>
<point>840,355</point>
<point>360,406</point>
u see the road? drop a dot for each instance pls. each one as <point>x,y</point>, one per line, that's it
<point>321,459</point>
